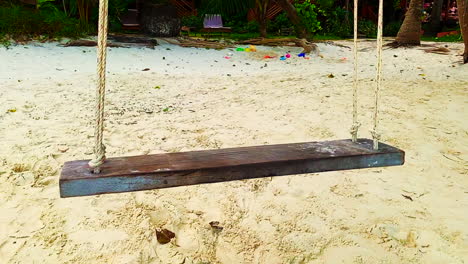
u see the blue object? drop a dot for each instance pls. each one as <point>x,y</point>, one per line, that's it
<point>301,55</point>
<point>283,58</point>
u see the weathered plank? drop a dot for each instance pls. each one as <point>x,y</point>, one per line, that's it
<point>137,173</point>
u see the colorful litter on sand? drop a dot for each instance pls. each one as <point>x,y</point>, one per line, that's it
<point>251,48</point>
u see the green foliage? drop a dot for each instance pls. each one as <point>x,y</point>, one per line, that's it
<point>336,22</point>
<point>397,4</point>
<point>40,3</point>
<point>239,23</point>
<point>325,4</point>
<point>192,21</point>
<point>24,23</point>
<point>280,21</point>
<point>226,7</point>
<point>116,9</point>
<point>252,26</point>
<point>448,38</point>
<point>367,28</point>
<point>392,28</point>
<point>308,13</point>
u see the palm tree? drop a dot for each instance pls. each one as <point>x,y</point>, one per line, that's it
<point>410,30</point>
<point>261,7</point>
<point>463,18</point>
<point>289,8</point>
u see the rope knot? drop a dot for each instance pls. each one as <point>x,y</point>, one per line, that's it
<point>354,128</point>
<point>99,159</point>
<point>376,136</point>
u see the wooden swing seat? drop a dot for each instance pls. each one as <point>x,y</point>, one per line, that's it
<point>157,171</point>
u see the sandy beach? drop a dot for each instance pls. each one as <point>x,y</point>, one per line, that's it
<point>171,99</point>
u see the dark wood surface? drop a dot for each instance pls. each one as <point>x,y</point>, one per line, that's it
<point>196,167</point>
<point>217,30</point>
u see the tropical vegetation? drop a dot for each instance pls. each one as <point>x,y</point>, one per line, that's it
<point>51,19</point>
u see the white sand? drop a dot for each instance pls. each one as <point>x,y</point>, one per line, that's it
<point>336,217</point>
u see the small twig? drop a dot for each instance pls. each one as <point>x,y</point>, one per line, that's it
<point>407,197</point>
<point>457,161</point>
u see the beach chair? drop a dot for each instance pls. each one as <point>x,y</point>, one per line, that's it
<point>214,24</point>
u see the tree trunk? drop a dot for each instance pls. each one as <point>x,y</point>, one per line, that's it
<point>262,28</point>
<point>262,8</point>
<point>410,31</point>
<point>347,12</point>
<point>463,17</point>
<point>435,24</point>
<point>294,18</point>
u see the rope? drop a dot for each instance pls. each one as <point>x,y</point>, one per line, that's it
<point>99,148</point>
<point>355,127</point>
<point>374,132</point>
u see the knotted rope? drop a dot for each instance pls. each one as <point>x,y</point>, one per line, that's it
<point>355,127</point>
<point>374,132</point>
<point>99,148</point>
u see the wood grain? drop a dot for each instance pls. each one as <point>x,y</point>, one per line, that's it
<point>146,172</point>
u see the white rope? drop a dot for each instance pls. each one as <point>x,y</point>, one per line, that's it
<point>374,132</point>
<point>355,127</point>
<point>99,148</point>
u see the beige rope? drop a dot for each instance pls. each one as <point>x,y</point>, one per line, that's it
<point>355,127</point>
<point>374,132</point>
<point>99,148</point>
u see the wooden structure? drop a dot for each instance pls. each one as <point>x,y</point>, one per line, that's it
<point>185,7</point>
<point>132,18</point>
<point>188,168</point>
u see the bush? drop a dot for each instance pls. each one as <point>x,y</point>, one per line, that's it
<point>367,28</point>
<point>337,24</point>
<point>281,21</point>
<point>392,28</point>
<point>20,22</point>
<point>308,14</point>
<point>238,22</point>
<point>252,26</point>
<point>192,22</point>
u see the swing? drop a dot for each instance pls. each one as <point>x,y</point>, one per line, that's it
<point>126,174</point>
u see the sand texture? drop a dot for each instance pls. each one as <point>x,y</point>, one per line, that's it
<point>195,99</point>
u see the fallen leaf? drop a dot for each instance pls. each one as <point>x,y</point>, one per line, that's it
<point>331,75</point>
<point>411,240</point>
<point>146,69</point>
<point>164,236</point>
<point>407,197</point>
<point>215,225</point>
<point>157,87</point>
<point>12,110</point>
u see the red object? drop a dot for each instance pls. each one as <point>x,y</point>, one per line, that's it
<point>443,34</point>
<point>269,57</point>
